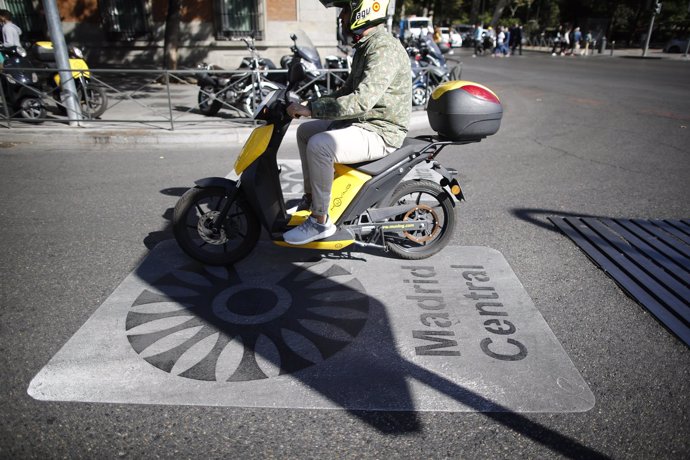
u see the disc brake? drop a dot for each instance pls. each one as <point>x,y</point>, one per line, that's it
<point>427,214</point>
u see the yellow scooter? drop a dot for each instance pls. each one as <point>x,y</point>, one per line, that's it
<point>373,204</point>
<point>93,98</point>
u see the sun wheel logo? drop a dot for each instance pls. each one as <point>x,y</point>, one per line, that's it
<point>376,7</point>
<point>218,324</point>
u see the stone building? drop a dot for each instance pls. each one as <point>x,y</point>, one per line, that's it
<point>131,32</point>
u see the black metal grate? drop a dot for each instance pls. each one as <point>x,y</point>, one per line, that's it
<point>650,259</point>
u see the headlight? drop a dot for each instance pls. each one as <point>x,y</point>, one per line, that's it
<point>34,77</point>
<point>76,52</point>
<point>10,80</point>
<point>309,66</point>
<point>21,51</point>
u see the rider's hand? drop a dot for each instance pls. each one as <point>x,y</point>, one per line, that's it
<point>296,110</point>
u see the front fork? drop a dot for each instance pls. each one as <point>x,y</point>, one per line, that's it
<point>217,223</point>
<point>232,188</point>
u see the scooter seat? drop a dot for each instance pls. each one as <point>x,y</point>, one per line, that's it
<point>376,167</point>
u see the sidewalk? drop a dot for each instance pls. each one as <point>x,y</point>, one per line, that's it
<point>144,119</point>
<point>117,133</point>
<point>655,53</point>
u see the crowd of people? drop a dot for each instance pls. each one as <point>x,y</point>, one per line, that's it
<point>503,41</point>
<point>506,41</point>
<point>569,42</point>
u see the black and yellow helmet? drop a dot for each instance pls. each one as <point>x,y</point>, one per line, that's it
<point>365,13</point>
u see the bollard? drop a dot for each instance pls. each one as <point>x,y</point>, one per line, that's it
<point>602,45</point>
<point>613,46</point>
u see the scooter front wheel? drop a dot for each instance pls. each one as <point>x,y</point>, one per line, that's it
<point>94,101</point>
<point>194,215</point>
<point>429,203</point>
<point>32,109</point>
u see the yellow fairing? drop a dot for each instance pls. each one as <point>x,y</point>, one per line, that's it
<point>254,147</point>
<point>298,217</point>
<point>75,64</point>
<point>323,245</point>
<point>455,84</point>
<point>346,185</point>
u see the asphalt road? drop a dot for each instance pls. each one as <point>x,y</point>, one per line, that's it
<point>602,137</point>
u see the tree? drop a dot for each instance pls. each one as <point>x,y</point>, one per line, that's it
<point>172,35</point>
<point>498,11</point>
<point>474,12</point>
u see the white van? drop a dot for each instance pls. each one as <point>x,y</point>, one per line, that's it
<point>415,26</point>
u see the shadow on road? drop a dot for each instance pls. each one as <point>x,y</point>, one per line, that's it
<point>294,315</point>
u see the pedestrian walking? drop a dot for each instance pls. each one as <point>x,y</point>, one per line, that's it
<point>10,31</point>
<point>575,45</point>
<point>478,37</point>
<point>516,39</point>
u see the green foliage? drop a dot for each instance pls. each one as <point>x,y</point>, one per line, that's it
<point>625,18</point>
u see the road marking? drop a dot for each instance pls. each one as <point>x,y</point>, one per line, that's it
<point>290,328</point>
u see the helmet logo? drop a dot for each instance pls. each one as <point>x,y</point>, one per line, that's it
<point>376,7</point>
<point>362,14</point>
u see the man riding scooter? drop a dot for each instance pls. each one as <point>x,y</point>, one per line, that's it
<point>364,120</point>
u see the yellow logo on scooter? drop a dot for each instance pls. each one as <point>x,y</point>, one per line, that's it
<point>254,147</point>
<point>346,184</point>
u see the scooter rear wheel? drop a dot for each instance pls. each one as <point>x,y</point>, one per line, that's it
<point>430,203</point>
<point>194,213</point>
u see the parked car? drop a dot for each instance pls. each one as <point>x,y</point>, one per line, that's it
<point>451,36</point>
<point>414,26</point>
<point>676,45</point>
<point>465,31</point>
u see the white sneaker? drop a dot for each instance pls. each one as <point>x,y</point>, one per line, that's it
<point>309,231</point>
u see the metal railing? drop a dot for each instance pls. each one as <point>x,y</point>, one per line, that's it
<point>155,98</point>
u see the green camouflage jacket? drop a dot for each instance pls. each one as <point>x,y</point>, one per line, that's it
<point>378,93</point>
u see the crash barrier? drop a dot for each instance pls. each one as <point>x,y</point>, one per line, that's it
<point>156,98</point>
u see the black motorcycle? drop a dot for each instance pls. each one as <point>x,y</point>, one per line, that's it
<point>21,88</point>
<point>429,68</point>
<point>316,82</point>
<point>239,91</point>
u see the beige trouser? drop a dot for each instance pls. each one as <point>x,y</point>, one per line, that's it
<point>320,148</point>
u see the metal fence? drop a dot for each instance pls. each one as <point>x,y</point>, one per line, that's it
<point>155,98</point>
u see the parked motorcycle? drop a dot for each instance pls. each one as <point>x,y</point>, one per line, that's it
<point>420,81</point>
<point>93,98</point>
<point>20,86</point>
<point>316,83</point>
<point>429,68</point>
<point>374,205</point>
<point>240,91</point>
